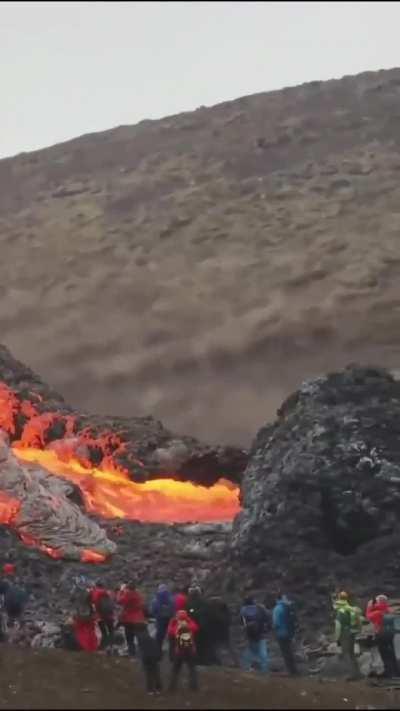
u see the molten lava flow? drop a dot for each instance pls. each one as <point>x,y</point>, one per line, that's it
<point>111,494</point>
<point>90,461</point>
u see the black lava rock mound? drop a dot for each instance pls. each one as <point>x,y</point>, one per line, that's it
<point>321,492</point>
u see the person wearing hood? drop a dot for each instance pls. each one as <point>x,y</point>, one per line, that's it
<point>378,612</point>
<point>182,631</point>
<point>162,609</point>
<point>284,626</point>
<point>348,622</point>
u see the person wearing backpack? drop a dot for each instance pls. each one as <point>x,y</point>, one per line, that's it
<point>103,603</point>
<point>150,656</point>
<point>255,621</point>
<point>348,622</point>
<point>163,610</point>
<point>382,618</point>
<point>182,630</point>
<point>133,614</point>
<point>284,626</point>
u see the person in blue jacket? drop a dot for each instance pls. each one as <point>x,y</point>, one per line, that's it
<point>163,610</point>
<point>284,626</point>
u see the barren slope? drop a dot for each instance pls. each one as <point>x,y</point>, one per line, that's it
<point>200,266</point>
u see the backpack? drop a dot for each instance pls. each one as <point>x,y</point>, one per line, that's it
<point>344,618</point>
<point>105,606</point>
<point>349,619</point>
<point>391,625</point>
<point>254,623</point>
<point>185,645</point>
<point>291,619</point>
<point>166,611</point>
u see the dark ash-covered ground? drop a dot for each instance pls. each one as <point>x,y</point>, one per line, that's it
<point>52,679</point>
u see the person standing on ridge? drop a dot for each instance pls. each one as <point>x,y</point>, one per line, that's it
<point>132,616</point>
<point>255,620</point>
<point>284,626</point>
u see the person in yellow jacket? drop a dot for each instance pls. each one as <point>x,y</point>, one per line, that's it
<point>348,622</point>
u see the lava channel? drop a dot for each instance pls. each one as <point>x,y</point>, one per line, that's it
<point>107,489</point>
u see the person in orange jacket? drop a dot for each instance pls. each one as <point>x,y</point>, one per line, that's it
<point>376,611</point>
<point>133,614</point>
<point>182,631</point>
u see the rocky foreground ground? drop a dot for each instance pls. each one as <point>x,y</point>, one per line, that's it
<point>52,679</point>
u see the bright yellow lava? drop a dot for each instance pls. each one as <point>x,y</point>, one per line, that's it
<point>111,494</point>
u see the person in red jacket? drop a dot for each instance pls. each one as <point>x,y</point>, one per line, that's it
<point>376,610</point>
<point>133,615</point>
<point>83,624</point>
<point>180,599</point>
<point>103,603</point>
<point>182,631</point>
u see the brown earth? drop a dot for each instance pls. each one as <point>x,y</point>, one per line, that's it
<point>200,266</point>
<point>45,679</point>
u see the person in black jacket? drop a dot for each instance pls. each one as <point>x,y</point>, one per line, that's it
<point>150,655</point>
<point>13,599</point>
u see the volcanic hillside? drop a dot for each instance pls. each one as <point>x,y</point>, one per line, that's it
<point>198,267</point>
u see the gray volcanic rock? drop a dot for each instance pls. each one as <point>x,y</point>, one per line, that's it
<point>44,512</point>
<point>151,450</point>
<point>321,493</point>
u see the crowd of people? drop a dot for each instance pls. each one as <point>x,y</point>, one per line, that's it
<point>193,629</point>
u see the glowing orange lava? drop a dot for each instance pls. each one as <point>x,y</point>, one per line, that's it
<point>111,494</point>
<point>106,488</point>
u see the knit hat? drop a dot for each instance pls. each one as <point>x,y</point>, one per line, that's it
<point>381,598</point>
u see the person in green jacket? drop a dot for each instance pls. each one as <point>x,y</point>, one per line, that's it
<point>348,622</point>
